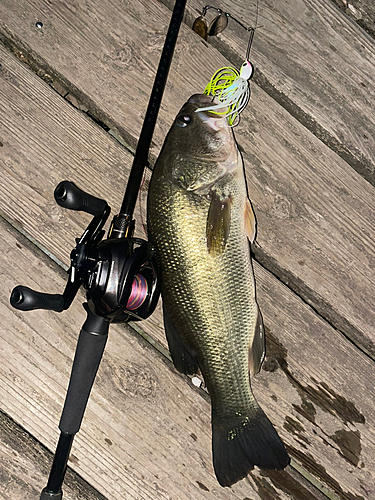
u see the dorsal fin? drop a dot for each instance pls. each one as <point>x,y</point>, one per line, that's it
<point>250,221</point>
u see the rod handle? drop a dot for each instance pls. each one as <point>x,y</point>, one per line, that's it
<point>26,299</point>
<point>68,195</point>
<point>89,351</point>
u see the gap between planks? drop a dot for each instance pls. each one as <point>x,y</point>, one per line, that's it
<point>281,84</point>
<point>25,464</point>
<point>74,483</point>
<point>263,259</point>
<point>338,304</point>
<point>293,481</point>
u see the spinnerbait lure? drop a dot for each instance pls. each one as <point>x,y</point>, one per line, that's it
<point>228,85</point>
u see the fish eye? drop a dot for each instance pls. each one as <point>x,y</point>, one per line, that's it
<point>183,120</point>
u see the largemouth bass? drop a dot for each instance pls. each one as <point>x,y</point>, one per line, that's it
<point>199,221</point>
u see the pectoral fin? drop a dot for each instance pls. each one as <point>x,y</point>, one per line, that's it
<point>218,224</point>
<point>250,221</point>
<point>257,349</point>
<point>183,360</point>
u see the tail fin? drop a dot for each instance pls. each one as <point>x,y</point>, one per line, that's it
<point>236,449</point>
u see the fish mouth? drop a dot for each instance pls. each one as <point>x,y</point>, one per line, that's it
<point>202,100</point>
<point>212,120</point>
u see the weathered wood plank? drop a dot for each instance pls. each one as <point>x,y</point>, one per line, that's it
<point>285,413</point>
<point>34,114</point>
<point>25,464</point>
<point>143,416</point>
<point>314,212</point>
<point>362,12</point>
<point>333,101</point>
<point>316,62</point>
<point>146,433</point>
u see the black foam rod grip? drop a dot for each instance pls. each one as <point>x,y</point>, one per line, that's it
<point>89,351</point>
<point>26,299</point>
<point>68,195</point>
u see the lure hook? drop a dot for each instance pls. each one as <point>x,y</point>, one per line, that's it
<point>229,86</point>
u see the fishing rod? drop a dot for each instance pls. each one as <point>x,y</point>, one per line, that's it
<point>119,273</point>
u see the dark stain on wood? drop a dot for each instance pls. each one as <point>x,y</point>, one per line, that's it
<point>293,426</point>
<point>306,409</point>
<point>202,486</point>
<point>323,396</point>
<point>265,489</point>
<point>319,471</point>
<point>349,443</point>
<point>270,364</point>
<point>296,428</point>
<point>276,353</point>
<point>73,459</point>
<point>333,403</point>
<point>277,357</point>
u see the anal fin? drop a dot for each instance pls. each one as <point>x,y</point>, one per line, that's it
<point>184,361</point>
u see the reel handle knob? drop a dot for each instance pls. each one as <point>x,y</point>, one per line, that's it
<point>26,299</point>
<point>68,195</point>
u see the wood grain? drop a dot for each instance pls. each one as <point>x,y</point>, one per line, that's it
<point>143,416</point>
<point>25,465</point>
<point>297,402</point>
<point>314,212</point>
<point>146,432</point>
<point>316,62</point>
<point>320,404</point>
<point>363,13</point>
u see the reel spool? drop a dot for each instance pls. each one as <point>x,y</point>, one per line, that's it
<point>124,285</point>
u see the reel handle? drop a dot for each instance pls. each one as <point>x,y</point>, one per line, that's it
<point>24,298</point>
<point>68,195</point>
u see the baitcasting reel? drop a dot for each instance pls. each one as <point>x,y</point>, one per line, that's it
<point>119,273</point>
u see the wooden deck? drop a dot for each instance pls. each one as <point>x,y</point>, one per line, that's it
<point>72,100</point>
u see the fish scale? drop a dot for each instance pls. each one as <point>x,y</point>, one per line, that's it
<point>200,277</point>
<point>196,220</point>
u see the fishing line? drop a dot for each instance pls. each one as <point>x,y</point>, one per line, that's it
<point>138,294</point>
<point>252,32</point>
<point>228,85</point>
